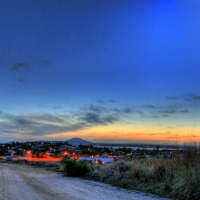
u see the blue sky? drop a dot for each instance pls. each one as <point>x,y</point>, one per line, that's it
<point>104,70</point>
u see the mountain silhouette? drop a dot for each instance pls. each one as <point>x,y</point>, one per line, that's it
<point>78,141</point>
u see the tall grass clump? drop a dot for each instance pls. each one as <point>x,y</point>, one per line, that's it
<point>74,168</point>
<point>187,184</point>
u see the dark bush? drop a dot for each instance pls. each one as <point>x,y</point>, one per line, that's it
<point>82,168</point>
<point>74,168</point>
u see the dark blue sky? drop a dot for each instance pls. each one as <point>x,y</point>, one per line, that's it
<point>102,70</point>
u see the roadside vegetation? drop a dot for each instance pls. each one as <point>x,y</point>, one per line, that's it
<point>72,167</point>
<point>177,177</point>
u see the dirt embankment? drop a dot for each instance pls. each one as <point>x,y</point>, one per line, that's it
<point>19,182</point>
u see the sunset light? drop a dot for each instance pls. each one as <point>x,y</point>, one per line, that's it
<point>100,95</point>
<point>106,72</point>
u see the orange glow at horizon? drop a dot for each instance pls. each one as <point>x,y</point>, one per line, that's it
<point>174,134</point>
<point>132,132</point>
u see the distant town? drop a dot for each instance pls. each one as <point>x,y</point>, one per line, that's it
<point>77,148</point>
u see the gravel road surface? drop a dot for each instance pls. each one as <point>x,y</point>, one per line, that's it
<point>21,182</point>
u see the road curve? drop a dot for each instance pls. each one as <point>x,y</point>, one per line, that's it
<point>21,182</point>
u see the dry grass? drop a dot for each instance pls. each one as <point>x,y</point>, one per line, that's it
<point>177,177</point>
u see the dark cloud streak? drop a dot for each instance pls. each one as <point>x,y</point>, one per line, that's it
<point>19,65</point>
<point>189,97</point>
<point>21,80</point>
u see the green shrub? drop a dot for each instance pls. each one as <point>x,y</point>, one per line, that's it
<point>187,185</point>
<point>81,168</point>
<point>74,168</point>
<point>68,166</point>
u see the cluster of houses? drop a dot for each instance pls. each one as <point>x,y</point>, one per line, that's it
<point>91,153</point>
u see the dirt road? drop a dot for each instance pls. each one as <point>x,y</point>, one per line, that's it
<point>21,182</point>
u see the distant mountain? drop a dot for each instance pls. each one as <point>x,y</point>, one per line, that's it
<point>78,141</point>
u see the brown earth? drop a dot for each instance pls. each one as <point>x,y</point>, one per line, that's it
<point>25,182</point>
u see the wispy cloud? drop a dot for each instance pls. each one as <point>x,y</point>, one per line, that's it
<point>184,110</point>
<point>132,110</point>
<point>188,97</point>
<point>44,62</point>
<point>95,118</point>
<point>111,100</point>
<point>45,123</point>
<point>157,111</point>
<point>19,65</point>
<point>47,62</point>
<point>85,117</point>
<point>168,111</point>
<point>21,80</point>
<point>20,121</point>
<point>95,108</point>
<point>128,110</point>
<point>193,97</point>
<point>94,114</point>
<point>41,124</point>
<point>152,107</point>
<point>47,117</point>
<point>57,107</point>
<point>100,101</point>
<point>174,97</point>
